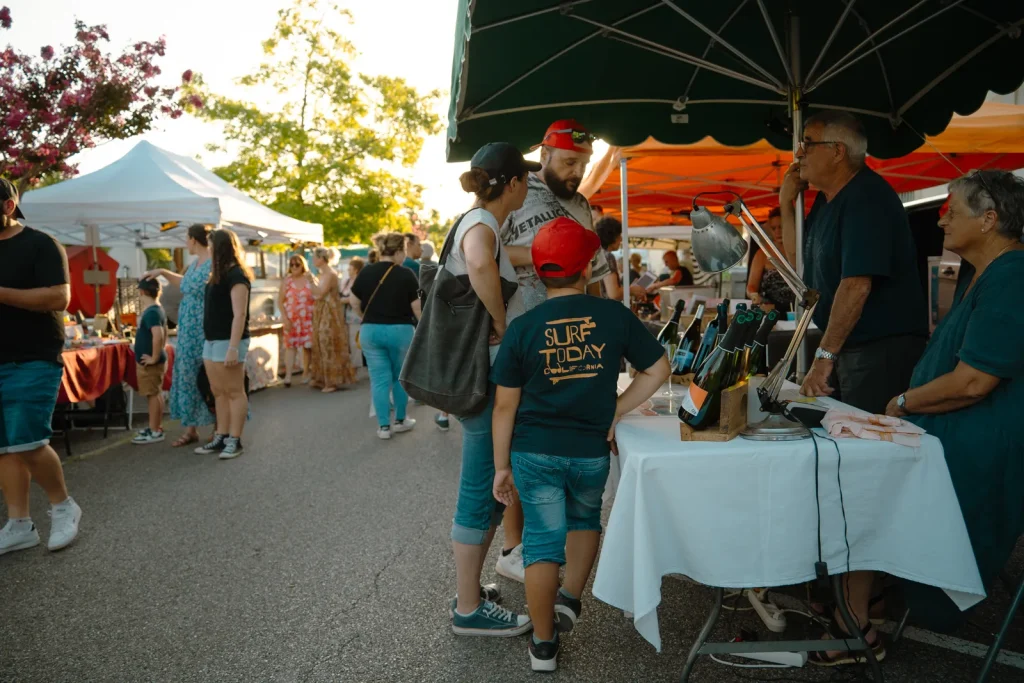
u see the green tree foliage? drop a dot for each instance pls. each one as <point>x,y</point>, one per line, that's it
<point>324,154</point>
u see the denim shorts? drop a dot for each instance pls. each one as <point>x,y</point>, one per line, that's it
<point>476,510</point>
<point>217,351</point>
<point>559,495</point>
<point>28,395</point>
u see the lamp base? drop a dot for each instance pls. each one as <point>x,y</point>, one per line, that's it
<point>776,428</point>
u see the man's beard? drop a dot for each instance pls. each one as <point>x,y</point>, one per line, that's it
<point>558,187</point>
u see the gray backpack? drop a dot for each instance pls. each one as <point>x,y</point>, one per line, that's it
<point>448,364</point>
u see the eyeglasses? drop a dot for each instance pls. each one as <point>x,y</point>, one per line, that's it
<point>579,137</point>
<point>805,145</point>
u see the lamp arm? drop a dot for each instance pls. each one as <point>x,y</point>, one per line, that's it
<point>772,386</point>
<point>772,252</point>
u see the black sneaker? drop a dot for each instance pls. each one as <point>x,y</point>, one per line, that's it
<point>489,592</point>
<point>232,449</point>
<point>216,445</point>
<point>544,656</point>
<point>567,611</point>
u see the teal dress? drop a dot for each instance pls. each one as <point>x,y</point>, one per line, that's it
<point>983,443</point>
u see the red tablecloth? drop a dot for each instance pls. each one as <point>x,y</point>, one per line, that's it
<point>90,372</point>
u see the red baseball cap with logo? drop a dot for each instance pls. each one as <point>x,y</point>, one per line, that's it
<point>565,247</point>
<point>568,134</point>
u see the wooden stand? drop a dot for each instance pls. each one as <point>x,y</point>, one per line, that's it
<point>731,422</point>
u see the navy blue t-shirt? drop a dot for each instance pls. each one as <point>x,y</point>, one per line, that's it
<point>564,355</point>
<point>864,231</point>
<point>153,316</point>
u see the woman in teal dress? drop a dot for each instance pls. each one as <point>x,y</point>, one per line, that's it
<point>186,402</point>
<point>968,388</point>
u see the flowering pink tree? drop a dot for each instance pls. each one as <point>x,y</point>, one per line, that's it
<point>64,100</point>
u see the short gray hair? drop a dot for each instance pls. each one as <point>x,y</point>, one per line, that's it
<point>844,127</point>
<point>999,191</point>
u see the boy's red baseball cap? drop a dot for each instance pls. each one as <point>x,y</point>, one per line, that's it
<point>568,134</point>
<point>565,244</point>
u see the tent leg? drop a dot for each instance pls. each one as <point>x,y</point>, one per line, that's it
<point>624,194</point>
<point>797,121</point>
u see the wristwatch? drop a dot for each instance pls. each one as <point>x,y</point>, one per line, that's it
<point>822,353</point>
<point>901,401</point>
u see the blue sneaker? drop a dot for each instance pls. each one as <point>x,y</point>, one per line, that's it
<point>441,420</point>
<point>492,620</point>
<point>489,592</point>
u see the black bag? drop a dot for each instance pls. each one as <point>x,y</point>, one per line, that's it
<point>448,364</point>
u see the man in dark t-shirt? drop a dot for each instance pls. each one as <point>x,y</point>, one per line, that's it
<point>34,291</point>
<point>860,256</point>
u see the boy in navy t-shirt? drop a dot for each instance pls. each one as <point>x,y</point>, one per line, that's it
<point>555,411</point>
<point>151,359</point>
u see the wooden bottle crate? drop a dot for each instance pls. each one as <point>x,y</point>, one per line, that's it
<point>730,423</point>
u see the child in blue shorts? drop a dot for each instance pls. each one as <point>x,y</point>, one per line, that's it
<point>555,411</point>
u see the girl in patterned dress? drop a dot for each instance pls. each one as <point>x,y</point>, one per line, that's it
<point>296,303</point>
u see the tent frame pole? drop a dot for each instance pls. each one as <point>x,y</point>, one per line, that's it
<point>797,121</point>
<point>624,198</point>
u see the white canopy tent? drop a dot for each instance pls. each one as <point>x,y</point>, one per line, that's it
<point>131,198</point>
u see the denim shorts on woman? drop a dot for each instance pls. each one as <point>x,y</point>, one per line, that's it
<point>476,510</point>
<point>217,351</point>
<point>559,495</point>
<point>28,395</point>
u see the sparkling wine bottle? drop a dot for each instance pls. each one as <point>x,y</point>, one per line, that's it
<point>758,362</point>
<point>689,345</point>
<point>701,403</point>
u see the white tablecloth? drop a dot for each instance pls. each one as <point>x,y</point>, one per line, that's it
<point>742,514</point>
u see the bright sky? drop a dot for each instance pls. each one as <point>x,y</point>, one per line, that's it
<point>221,39</point>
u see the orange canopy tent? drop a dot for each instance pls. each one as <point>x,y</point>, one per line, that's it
<point>663,179</point>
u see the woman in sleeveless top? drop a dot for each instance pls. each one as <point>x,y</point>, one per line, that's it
<point>296,303</point>
<point>331,366</point>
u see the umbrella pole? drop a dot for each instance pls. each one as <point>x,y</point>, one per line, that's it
<point>624,195</point>
<point>797,121</point>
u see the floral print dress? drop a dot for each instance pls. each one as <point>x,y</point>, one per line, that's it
<point>331,365</point>
<point>298,308</point>
<point>187,403</point>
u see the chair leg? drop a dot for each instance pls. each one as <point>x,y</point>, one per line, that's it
<point>993,651</point>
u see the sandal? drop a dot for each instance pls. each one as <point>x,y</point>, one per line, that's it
<point>185,439</point>
<point>847,657</point>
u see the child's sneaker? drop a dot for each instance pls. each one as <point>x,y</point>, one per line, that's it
<point>405,425</point>
<point>490,619</point>
<point>511,566</point>
<point>216,445</point>
<point>544,655</point>
<point>18,536</point>
<point>441,420</point>
<point>489,592</point>
<point>567,611</point>
<point>232,449</point>
<point>147,435</point>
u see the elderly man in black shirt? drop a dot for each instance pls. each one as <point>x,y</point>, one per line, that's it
<point>860,255</point>
<point>34,291</point>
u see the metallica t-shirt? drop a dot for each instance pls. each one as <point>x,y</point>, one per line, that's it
<point>542,207</point>
<point>565,355</point>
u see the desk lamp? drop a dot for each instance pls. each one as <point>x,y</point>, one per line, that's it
<point>718,246</point>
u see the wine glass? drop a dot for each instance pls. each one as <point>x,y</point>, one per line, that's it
<point>671,348</point>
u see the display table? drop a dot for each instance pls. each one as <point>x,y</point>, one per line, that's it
<point>742,514</point>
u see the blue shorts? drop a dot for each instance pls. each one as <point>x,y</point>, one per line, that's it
<point>217,351</point>
<point>28,395</point>
<point>559,495</point>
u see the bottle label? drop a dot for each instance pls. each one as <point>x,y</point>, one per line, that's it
<point>694,399</point>
<point>681,362</point>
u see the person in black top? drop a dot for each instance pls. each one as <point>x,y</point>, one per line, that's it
<point>34,291</point>
<point>226,326</point>
<point>387,297</point>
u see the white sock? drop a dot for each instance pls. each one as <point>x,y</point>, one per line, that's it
<point>20,524</point>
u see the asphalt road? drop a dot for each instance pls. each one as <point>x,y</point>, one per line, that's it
<point>322,554</point>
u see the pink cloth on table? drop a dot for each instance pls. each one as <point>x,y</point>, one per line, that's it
<point>846,424</point>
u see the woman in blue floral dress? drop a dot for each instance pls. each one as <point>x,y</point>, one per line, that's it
<point>187,403</point>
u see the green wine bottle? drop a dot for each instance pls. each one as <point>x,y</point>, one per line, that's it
<point>758,362</point>
<point>701,402</point>
<point>670,332</point>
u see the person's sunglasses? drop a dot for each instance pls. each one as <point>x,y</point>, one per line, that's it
<point>579,137</point>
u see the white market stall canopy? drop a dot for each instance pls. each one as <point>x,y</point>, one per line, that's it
<point>131,198</point>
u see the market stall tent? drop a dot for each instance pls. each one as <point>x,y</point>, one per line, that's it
<point>130,200</point>
<point>663,179</point>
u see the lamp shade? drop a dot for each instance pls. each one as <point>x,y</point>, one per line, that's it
<point>716,245</point>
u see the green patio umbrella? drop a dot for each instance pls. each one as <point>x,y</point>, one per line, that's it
<point>680,70</point>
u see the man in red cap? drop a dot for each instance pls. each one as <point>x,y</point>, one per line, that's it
<point>555,410</point>
<point>565,152</point>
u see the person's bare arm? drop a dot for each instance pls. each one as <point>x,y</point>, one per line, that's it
<point>417,309</point>
<point>170,275</point>
<point>961,388</point>
<point>792,185</point>
<point>846,311</point>
<point>519,256</point>
<point>756,273</point>
<point>612,286</point>
<point>503,421</point>
<point>478,246</point>
<point>672,281</point>
<point>239,302</point>
<point>158,344</point>
<point>55,298</point>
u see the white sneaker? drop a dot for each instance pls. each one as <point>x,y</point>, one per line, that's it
<point>64,527</point>
<point>384,433</point>
<point>11,540</point>
<point>511,566</point>
<point>405,425</point>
